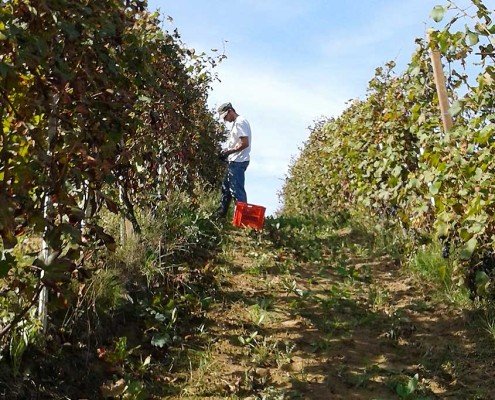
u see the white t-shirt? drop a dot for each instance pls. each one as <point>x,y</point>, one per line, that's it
<point>240,128</point>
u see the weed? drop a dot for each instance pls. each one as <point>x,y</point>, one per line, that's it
<point>421,306</point>
<point>428,263</point>
<point>271,393</point>
<point>22,336</point>
<point>450,368</point>
<point>405,386</point>
<point>488,323</point>
<point>368,374</point>
<point>321,345</point>
<point>371,237</point>
<point>377,297</point>
<point>283,356</point>
<point>118,355</point>
<point>106,290</point>
<point>290,285</point>
<point>263,352</point>
<point>457,295</point>
<point>201,364</point>
<point>257,314</point>
<point>262,262</point>
<point>266,303</point>
<point>248,340</point>
<point>337,325</point>
<point>161,318</point>
<point>490,327</point>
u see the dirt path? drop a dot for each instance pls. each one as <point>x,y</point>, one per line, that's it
<point>350,328</point>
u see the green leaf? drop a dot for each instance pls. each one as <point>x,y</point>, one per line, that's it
<point>468,249</point>
<point>455,108</point>
<point>70,30</point>
<point>60,265</point>
<point>405,390</point>
<point>5,267</point>
<point>482,281</point>
<point>435,187</point>
<point>413,384</point>
<point>437,13</point>
<point>160,340</point>
<point>76,213</point>
<point>4,69</point>
<point>160,317</point>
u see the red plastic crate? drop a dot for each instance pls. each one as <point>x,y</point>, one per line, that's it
<point>249,215</point>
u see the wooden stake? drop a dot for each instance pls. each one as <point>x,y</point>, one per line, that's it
<point>441,88</point>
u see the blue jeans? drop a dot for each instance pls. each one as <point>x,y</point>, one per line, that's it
<point>233,185</point>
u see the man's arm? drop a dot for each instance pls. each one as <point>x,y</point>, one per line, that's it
<point>239,147</point>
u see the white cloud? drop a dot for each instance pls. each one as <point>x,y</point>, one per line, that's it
<point>268,89</point>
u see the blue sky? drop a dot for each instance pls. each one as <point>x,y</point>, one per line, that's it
<point>290,62</point>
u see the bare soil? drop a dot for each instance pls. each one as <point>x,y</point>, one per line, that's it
<point>287,329</point>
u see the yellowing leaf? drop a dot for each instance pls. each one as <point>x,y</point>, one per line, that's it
<point>442,229</point>
<point>111,389</point>
<point>472,38</point>
<point>147,361</point>
<point>442,271</point>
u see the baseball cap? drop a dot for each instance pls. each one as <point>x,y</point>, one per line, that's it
<point>224,109</point>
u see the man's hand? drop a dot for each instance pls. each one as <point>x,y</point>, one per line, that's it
<point>223,156</point>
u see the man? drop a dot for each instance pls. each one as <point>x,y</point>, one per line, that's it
<point>236,153</point>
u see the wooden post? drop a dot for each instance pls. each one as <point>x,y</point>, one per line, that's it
<point>441,87</point>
